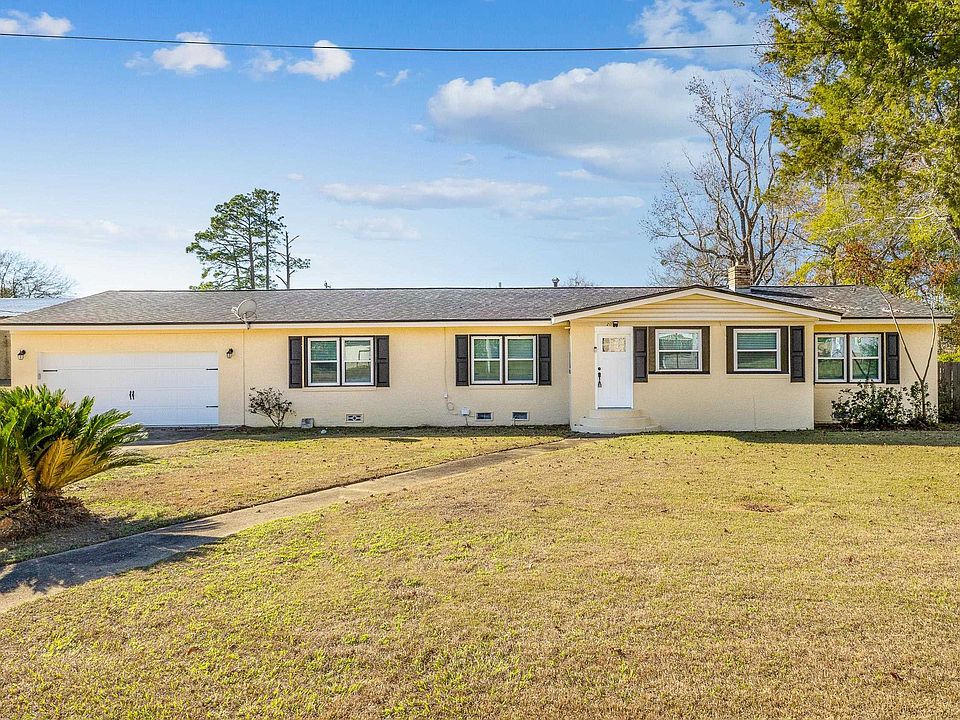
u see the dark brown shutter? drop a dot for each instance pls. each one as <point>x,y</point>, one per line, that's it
<point>651,350</point>
<point>640,354</point>
<point>381,354</point>
<point>892,358</point>
<point>462,346</point>
<point>544,360</point>
<point>784,349</point>
<point>731,350</point>
<point>705,349</point>
<point>798,363</point>
<point>295,357</point>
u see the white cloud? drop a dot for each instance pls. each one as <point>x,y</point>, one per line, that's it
<point>622,120</point>
<point>379,228</point>
<point>295,177</point>
<point>700,22</point>
<point>576,208</point>
<point>13,223</point>
<point>328,62</point>
<point>42,24</point>
<point>263,63</point>
<point>467,159</point>
<point>183,59</point>
<point>400,77</point>
<point>578,174</point>
<point>443,193</point>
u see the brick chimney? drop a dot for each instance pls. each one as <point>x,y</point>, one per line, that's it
<point>739,277</point>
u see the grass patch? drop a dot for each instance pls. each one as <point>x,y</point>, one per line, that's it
<point>623,578</point>
<point>239,468</point>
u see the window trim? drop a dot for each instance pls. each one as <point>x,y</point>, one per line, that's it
<point>341,374</point>
<point>473,363</point>
<point>754,330</point>
<point>343,361</point>
<point>848,358</point>
<point>657,352</point>
<point>878,358</point>
<point>310,361</point>
<point>506,359</point>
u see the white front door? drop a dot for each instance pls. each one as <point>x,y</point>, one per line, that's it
<point>614,367</point>
<point>157,388</point>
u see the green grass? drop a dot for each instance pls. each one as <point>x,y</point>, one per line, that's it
<point>811,575</point>
<point>235,469</point>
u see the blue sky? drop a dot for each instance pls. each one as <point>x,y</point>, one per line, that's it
<point>395,169</point>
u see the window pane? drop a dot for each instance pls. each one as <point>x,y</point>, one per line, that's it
<point>357,350</point>
<point>829,369</point>
<point>520,348</point>
<point>865,369</point>
<point>323,373</point>
<point>831,346</point>
<point>323,350</point>
<point>757,360</point>
<point>679,360</point>
<point>679,341</point>
<point>356,373</point>
<point>520,370</point>
<point>613,344</point>
<point>486,348</point>
<point>757,340</point>
<point>486,371</point>
<point>865,346</point>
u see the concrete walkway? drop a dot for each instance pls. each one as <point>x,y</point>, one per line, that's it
<point>32,579</point>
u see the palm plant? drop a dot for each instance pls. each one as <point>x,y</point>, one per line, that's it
<point>56,442</point>
<point>11,478</point>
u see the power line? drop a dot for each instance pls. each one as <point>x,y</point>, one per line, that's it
<point>395,48</point>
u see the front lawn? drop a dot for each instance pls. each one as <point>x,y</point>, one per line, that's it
<point>811,575</point>
<point>235,469</point>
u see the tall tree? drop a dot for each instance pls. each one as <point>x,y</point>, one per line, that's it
<point>21,276</point>
<point>871,112</point>
<point>722,210</point>
<point>236,251</point>
<point>290,262</point>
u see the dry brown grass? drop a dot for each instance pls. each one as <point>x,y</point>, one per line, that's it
<point>626,578</point>
<point>235,469</point>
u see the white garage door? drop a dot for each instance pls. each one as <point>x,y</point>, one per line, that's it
<point>157,388</point>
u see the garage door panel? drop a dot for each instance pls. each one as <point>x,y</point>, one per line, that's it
<point>168,388</point>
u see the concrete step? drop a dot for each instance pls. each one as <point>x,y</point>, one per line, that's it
<point>617,422</point>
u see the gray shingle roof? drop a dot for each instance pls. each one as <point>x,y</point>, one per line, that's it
<point>10,307</point>
<point>413,304</point>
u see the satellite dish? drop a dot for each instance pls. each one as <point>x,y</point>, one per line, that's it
<point>246,311</point>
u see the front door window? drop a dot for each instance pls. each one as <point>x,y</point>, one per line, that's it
<point>614,368</point>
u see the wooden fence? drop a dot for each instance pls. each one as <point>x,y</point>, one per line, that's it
<point>950,391</point>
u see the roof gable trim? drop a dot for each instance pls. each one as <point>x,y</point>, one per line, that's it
<point>715,293</point>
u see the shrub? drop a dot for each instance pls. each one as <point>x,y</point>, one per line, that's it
<point>869,408</point>
<point>872,408</point>
<point>56,442</point>
<point>269,402</point>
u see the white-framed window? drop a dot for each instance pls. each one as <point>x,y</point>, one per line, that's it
<point>339,361</point>
<point>865,357</point>
<point>521,359</point>
<point>679,350</point>
<point>357,353</point>
<point>486,359</point>
<point>756,350</point>
<point>831,358</point>
<point>323,357</point>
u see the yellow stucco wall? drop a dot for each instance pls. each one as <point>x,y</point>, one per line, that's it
<point>714,401</point>
<point>915,337</point>
<point>422,371</point>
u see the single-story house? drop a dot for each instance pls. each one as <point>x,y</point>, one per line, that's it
<point>11,307</point>
<point>601,359</point>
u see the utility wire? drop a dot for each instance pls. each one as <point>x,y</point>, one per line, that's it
<point>393,48</point>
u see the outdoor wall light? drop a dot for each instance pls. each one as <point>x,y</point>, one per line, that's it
<point>616,323</point>
<point>229,353</point>
<point>21,355</point>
